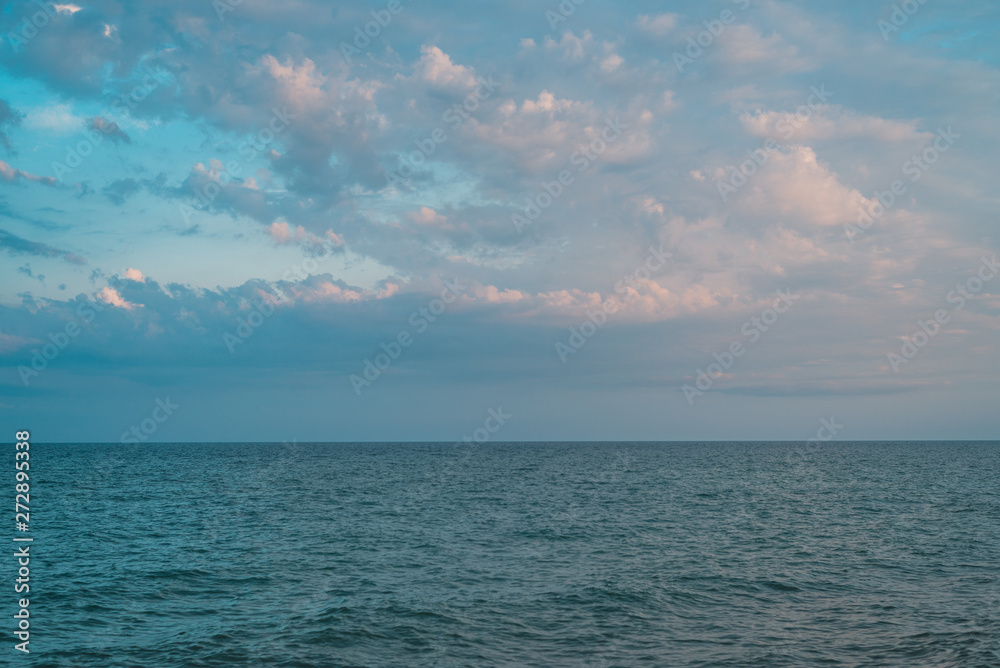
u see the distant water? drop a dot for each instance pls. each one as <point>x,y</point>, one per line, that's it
<point>618,554</point>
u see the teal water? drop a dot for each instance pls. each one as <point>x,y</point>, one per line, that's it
<point>616,554</point>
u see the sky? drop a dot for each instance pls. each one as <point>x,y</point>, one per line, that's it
<point>406,220</point>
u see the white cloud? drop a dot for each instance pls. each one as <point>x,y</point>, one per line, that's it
<point>435,67</point>
<point>57,118</point>
<point>573,48</point>
<point>540,132</point>
<point>135,275</point>
<point>746,45</point>
<point>829,122</point>
<point>302,85</point>
<point>612,62</point>
<point>659,25</point>
<point>110,296</point>
<point>796,186</point>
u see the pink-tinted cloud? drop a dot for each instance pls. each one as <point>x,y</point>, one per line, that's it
<point>109,295</point>
<point>8,173</point>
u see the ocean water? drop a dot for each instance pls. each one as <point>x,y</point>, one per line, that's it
<point>615,554</point>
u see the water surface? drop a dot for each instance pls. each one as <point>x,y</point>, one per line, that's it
<point>615,554</point>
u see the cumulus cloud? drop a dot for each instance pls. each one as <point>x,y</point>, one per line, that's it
<point>134,275</point>
<point>109,295</point>
<point>798,187</point>
<point>436,67</point>
<point>571,47</point>
<point>538,131</point>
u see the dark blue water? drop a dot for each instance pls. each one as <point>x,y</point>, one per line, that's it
<point>622,554</point>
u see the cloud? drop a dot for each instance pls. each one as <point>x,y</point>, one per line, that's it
<point>746,45</point>
<point>282,234</point>
<point>573,48</point>
<point>303,84</point>
<point>57,119</point>
<point>539,132</point>
<point>211,188</point>
<point>109,295</point>
<point>797,187</point>
<point>326,127</point>
<point>612,63</point>
<point>9,174</point>
<point>8,119</point>
<point>659,25</point>
<point>18,246</point>
<point>9,343</point>
<point>120,190</point>
<point>428,218</point>
<point>435,67</point>
<point>109,129</point>
<point>26,270</point>
<point>830,122</point>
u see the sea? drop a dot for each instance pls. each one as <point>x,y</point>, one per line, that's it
<point>513,554</point>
